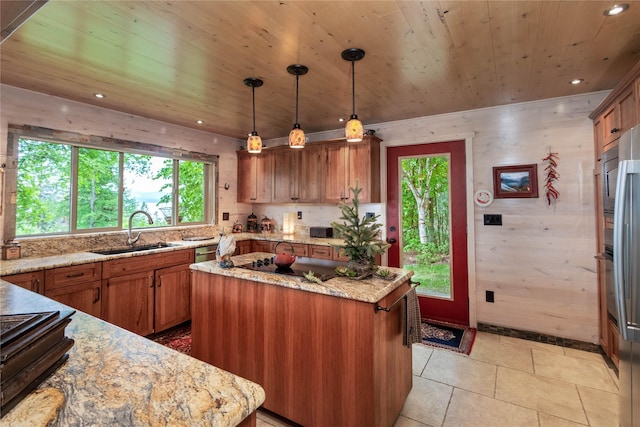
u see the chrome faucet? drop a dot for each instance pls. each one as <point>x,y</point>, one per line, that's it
<point>130,240</point>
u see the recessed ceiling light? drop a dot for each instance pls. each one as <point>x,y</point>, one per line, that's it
<point>341,119</point>
<point>99,95</point>
<point>576,81</point>
<point>616,9</point>
<point>199,122</point>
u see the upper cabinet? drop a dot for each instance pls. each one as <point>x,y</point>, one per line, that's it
<point>348,163</point>
<point>321,172</point>
<point>617,113</point>
<point>255,181</point>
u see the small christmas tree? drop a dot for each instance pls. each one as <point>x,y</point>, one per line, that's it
<point>361,235</point>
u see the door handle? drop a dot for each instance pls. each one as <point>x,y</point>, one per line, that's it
<point>392,240</point>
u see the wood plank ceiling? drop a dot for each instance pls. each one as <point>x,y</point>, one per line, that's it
<point>181,61</point>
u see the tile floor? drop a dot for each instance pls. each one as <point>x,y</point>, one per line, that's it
<point>506,382</point>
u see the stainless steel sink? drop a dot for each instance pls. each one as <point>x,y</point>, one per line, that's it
<point>128,249</point>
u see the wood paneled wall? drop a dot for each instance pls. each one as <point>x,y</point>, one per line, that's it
<point>540,263</point>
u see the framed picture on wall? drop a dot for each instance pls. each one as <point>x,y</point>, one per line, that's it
<point>519,181</point>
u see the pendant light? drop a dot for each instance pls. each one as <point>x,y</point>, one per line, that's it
<point>354,130</point>
<point>296,136</point>
<point>254,142</point>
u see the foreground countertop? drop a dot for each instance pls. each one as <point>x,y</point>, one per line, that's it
<point>114,377</point>
<point>370,290</point>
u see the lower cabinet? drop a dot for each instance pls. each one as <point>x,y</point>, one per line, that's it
<point>148,294</point>
<point>77,286</point>
<point>85,297</point>
<point>128,302</point>
<point>33,281</point>
<point>172,303</point>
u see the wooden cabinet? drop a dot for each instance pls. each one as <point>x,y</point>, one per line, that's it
<point>172,299</point>
<point>77,286</point>
<point>347,163</point>
<point>616,114</point>
<point>296,174</point>
<point>133,298</point>
<point>128,302</point>
<point>255,180</point>
<point>242,247</point>
<point>262,246</point>
<point>286,175</point>
<point>322,360</point>
<point>321,172</point>
<point>320,252</point>
<point>33,281</point>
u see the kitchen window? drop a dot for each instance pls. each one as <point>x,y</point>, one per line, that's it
<point>65,187</point>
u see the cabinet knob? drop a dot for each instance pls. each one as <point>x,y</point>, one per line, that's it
<point>614,130</point>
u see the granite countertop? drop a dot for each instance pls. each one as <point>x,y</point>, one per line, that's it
<point>114,377</point>
<point>370,290</point>
<point>26,265</point>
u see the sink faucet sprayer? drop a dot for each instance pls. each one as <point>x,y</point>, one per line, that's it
<point>130,240</point>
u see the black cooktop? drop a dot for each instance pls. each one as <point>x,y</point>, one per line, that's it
<point>297,269</point>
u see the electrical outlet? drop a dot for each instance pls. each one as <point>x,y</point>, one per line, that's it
<point>489,296</point>
<point>299,214</point>
<point>225,216</point>
<point>369,215</point>
<point>492,219</point>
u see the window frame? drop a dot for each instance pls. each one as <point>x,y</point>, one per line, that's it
<point>77,141</point>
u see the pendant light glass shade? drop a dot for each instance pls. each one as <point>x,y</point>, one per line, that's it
<point>254,142</point>
<point>296,136</point>
<point>354,130</point>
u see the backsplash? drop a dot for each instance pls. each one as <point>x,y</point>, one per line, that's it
<point>57,245</point>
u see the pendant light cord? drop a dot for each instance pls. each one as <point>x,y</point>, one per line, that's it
<point>253,96</point>
<point>353,87</point>
<point>297,77</point>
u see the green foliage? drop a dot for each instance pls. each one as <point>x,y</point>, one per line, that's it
<point>190,190</point>
<point>425,207</point>
<point>361,234</point>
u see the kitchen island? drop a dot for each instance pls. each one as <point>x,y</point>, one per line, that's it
<point>324,353</point>
<point>114,377</point>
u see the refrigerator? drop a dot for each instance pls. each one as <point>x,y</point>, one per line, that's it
<point>626,269</point>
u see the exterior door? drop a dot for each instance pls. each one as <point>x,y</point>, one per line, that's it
<point>452,304</point>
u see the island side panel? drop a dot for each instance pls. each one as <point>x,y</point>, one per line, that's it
<point>392,360</point>
<point>318,357</point>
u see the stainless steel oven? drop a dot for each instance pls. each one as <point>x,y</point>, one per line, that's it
<point>610,175</point>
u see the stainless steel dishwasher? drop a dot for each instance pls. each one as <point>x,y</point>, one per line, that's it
<point>206,253</point>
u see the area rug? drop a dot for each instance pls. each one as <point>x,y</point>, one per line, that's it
<point>448,336</point>
<point>177,338</point>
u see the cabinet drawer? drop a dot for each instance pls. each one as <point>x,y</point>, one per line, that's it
<point>33,281</point>
<point>339,255</point>
<point>73,275</point>
<point>125,266</point>
<point>321,252</point>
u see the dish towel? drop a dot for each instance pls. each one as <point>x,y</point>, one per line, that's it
<point>412,329</point>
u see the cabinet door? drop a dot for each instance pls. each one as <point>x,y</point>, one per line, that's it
<point>610,125</point>
<point>310,178</point>
<point>286,171</point>
<point>335,172</point>
<point>598,137</point>
<point>172,297</point>
<point>627,110</point>
<point>364,167</point>
<point>264,178</point>
<point>128,302</point>
<point>85,297</point>
<point>33,281</point>
<point>261,246</point>
<point>255,180</point>
<point>246,177</point>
